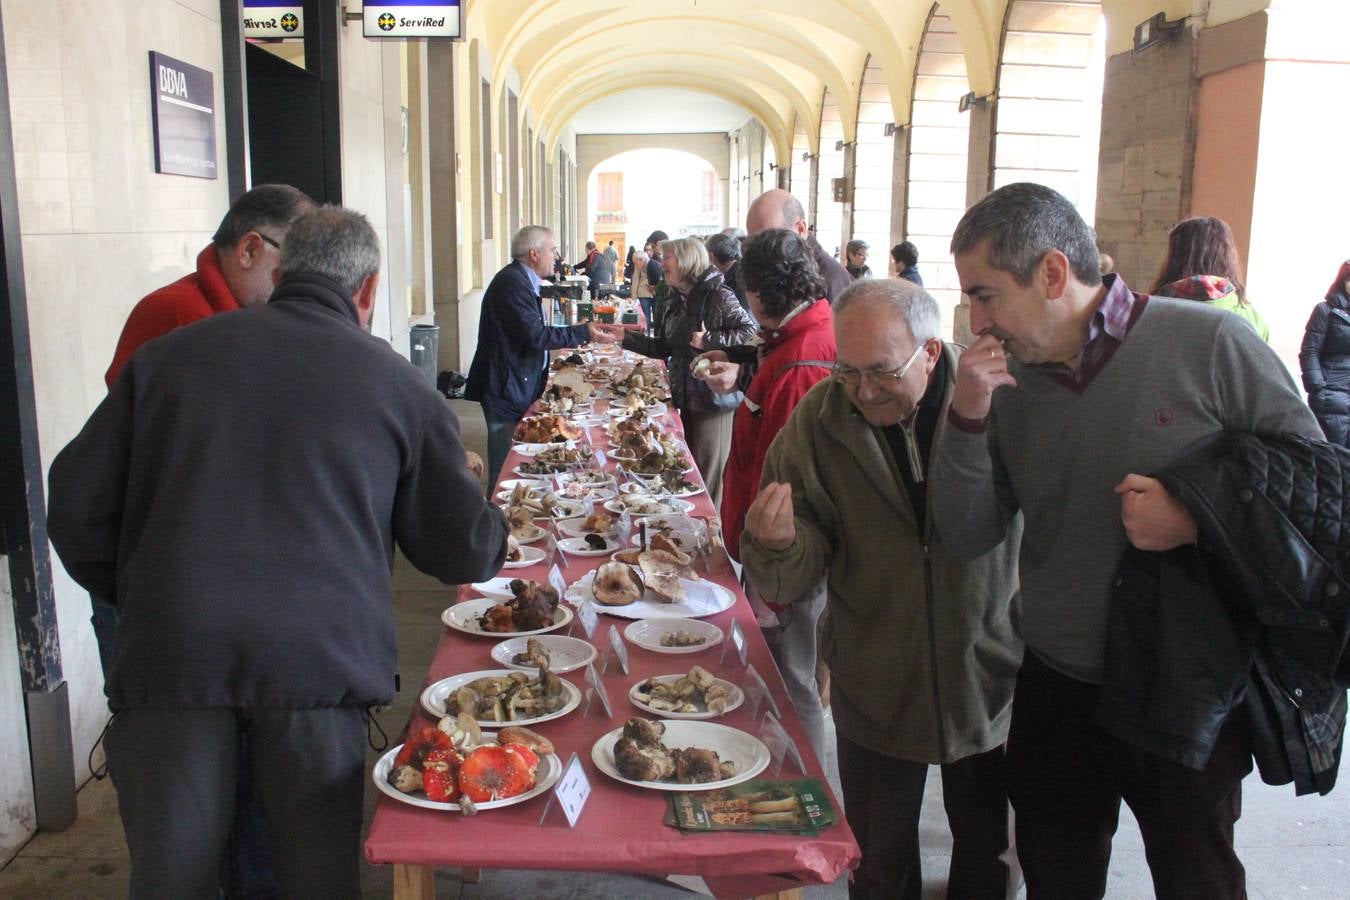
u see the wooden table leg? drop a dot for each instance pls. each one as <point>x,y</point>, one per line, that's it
<point>414,882</point>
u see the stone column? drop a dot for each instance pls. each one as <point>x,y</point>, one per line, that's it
<point>979,179</point>
<point>443,199</point>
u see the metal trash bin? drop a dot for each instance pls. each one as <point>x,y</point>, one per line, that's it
<point>423,343</point>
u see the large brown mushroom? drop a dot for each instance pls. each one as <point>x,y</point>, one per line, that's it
<point>616,585</point>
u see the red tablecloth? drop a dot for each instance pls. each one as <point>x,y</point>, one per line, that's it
<point>621,828</point>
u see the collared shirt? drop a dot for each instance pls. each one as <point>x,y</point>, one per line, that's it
<point>1106,331</point>
<point>535,281</point>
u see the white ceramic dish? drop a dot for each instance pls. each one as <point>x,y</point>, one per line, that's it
<point>566,654</point>
<point>576,546</point>
<point>498,588</point>
<point>529,556</point>
<point>571,528</point>
<point>549,771</point>
<point>632,504</point>
<point>646,633</point>
<point>464,617</point>
<point>525,449</point>
<point>529,534</point>
<point>731,745</point>
<point>433,698</point>
<point>735,697</point>
<point>685,540</point>
<point>652,485</point>
<point>702,598</point>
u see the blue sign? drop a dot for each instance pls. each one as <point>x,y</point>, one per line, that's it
<point>183,113</point>
<point>413,19</point>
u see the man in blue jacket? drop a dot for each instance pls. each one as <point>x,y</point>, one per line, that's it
<point>510,366</point>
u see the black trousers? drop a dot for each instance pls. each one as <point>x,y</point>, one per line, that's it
<point>1066,778</point>
<point>175,771</point>
<point>882,799</point>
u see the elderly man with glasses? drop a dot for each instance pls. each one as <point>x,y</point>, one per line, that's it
<point>920,644</point>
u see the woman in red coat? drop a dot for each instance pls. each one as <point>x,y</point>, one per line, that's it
<point>787,297</point>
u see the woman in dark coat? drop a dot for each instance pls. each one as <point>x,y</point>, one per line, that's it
<point>701,313</point>
<point>1325,360</point>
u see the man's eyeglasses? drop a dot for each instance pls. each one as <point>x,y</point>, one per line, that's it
<point>268,239</point>
<point>851,377</point>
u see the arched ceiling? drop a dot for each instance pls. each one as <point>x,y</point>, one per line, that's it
<point>773,58</point>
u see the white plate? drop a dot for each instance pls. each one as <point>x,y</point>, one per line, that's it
<point>529,556</point>
<point>464,617</point>
<point>677,522</point>
<point>433,698</point>
<point>507,486</point>
<point>730,744</point>
<point>499,587</point>
<point>620,411</point>
<point>702,598</point>
<point>576,546</point>
<point>674,505</point>
<point>529,534</point>
<point>535,449</point>
<point>549,771</point>
<point>566,654</point>
<point>567,509</point>
<point>685,540</point>
<point>597,493</point>
<point>735,697</point>
<point>570,527</point>
<point>560,468</point>
<point>646,486</point>
<point>646,633</point>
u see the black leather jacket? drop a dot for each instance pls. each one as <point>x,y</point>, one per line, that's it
<point>1254,621</point>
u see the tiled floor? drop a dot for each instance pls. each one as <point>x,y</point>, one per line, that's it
<point>1293,847</point>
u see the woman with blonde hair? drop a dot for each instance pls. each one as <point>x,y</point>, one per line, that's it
<point>701,313</point>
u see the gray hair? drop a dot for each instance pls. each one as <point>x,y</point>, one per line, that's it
<point>531,237</point>
<point>271,206</point>
<point>723,248</point>
<point>913,303</point>
<point>334,242</point>
<point>1021,223</point>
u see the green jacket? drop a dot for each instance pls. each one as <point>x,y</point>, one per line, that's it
<point>921,646</point>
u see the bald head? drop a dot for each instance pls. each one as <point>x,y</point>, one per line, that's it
<point>776,209</point>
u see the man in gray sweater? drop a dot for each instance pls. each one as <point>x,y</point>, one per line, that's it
<point>1075,390</point>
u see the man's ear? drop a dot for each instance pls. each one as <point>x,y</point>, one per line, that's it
<point>364,298</point>
<point>248,250</point>
<point>1056,270</point>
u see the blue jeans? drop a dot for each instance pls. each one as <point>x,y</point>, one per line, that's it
<point>499,431</point>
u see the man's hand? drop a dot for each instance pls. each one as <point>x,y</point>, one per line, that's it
<point>1154,519</point>
<point>770,519</point>
<point>719,372</point>
<point>697,338</point>
<point>981,369</point>
<point>475,463</point>
<point>604,333</point>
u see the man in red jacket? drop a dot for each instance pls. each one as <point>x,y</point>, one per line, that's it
<point>234,271</point>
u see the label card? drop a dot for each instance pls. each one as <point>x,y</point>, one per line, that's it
<point>600,459</point>
<point>757,689</point>
<point>553,552</point>
<point>597,689</point>
<point>625,527</point>
<point>738,641</point>
<point>555,578</point>
<point>589,617</point>
<point>620,648</point>
<point>775,737</point>
<point>572,791</point>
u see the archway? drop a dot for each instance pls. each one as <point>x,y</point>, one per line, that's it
<point>939,138</point>
<point>828,217</point>
<point>636,192</point>
<point>1048,114</point>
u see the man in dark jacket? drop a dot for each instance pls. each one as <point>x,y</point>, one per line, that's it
<point>240,492</point>
<point>725,252</point>
<point>597,267</point>
<point>511,363</point>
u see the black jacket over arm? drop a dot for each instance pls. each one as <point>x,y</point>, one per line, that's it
<point>507,374</point>
<point>240,492</point>
<point>1254,622</point>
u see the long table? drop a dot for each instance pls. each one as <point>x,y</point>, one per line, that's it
<point>621,828</point>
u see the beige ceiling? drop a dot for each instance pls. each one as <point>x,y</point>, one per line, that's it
<point>773,58</point>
